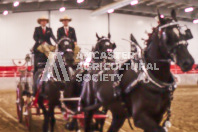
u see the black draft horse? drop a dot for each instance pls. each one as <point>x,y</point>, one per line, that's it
<point>145,94</point>
<point>71,88</point>
<point>50,88</point>
<point>103,45</point>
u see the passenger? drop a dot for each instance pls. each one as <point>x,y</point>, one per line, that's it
<point>67,31</point>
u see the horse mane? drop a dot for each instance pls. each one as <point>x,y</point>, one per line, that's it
<point>150,36</point>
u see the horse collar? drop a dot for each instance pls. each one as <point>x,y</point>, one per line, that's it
<point>150,78</point>
<point>146,77</point>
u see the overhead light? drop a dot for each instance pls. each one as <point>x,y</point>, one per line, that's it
<point>189,9</point>
<point>62,9</point>
<point>5,12</point>
<point>80,1</point>
<point>134,2</point>
<point>110,11</point>
<point>16,3</point>
<point>195,21</point>
<point>162,16</point>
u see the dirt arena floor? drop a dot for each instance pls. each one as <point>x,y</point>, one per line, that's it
<point>184,114</point>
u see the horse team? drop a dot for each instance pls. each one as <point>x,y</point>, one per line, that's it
<point>141,93</point>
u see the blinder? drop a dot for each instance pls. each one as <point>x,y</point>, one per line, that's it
<point>186,32</point>
<point>188,35</point>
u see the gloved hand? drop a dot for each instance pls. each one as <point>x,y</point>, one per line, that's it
<point>41,41</point>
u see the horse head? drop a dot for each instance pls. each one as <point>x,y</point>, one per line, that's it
<point>66,47</point>
<point>104,45</point>
<point>171,39</point>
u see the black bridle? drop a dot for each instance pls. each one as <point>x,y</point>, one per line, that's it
<point>67,50</point>
<point>69,42</point>
<point>108,40</point>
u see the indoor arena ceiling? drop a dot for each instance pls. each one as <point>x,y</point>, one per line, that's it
<point>143,8</point>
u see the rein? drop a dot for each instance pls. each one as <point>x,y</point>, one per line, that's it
<point>159,60</point>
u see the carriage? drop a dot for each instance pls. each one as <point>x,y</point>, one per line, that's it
<point>27,104</point>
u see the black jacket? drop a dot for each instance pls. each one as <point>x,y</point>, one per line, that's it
<point>39,37</point>
<point>61,33</point>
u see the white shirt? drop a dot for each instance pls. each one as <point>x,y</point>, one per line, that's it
<point>66,28</point>
<point>44,28</point>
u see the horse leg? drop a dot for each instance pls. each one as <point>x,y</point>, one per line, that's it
<point>75,124</point>
<point>88,121</point>
<point>148,124</point>
<point>100,122</point>
<point>52,118</point>
<point>117,123</point>
<point>45,113</point>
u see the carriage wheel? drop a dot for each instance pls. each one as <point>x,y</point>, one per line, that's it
<point>28,114</point>
<point>19,102</point>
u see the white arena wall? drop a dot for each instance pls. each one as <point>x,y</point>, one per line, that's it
<point>16,34</point>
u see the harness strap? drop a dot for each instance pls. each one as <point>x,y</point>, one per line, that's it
<point>116,86</point>
<point>160,60</point>
<point>131,86</point>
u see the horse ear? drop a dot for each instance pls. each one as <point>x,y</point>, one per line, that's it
<point>97,36</point>
<point>159,17</point>
<point>133,39</point>
<point>109,35</point>
<point>174,15</point>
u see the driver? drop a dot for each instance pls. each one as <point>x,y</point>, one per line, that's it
<point>42,47</point>
<point>42,35</point>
